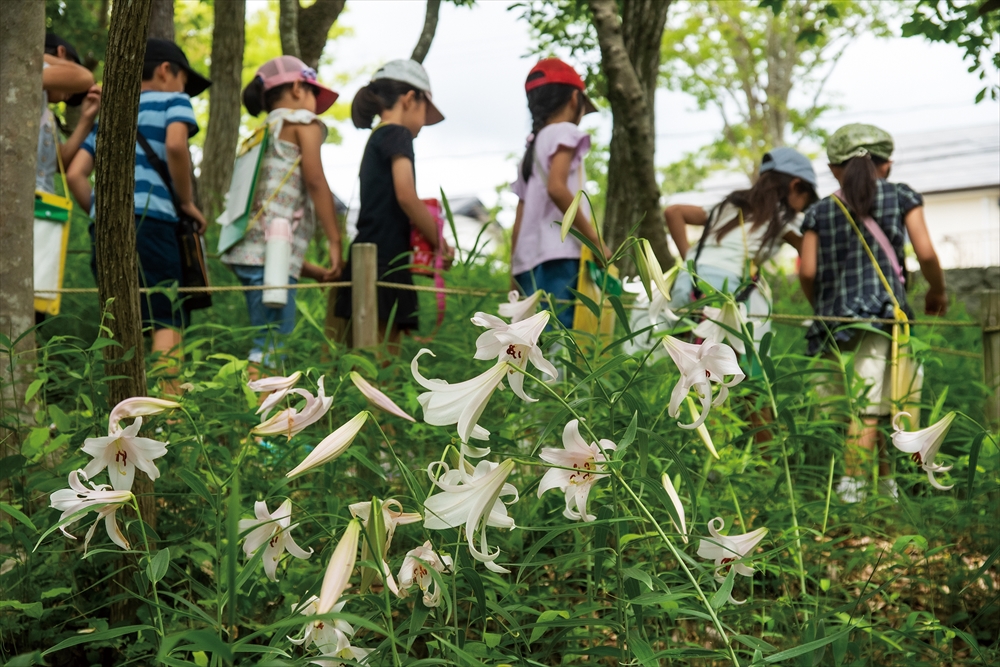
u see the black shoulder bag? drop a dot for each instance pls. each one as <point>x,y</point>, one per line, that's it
<point>194,270</point>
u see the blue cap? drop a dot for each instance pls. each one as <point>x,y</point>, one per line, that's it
<point>789,161</point>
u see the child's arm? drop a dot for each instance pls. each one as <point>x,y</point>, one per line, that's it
<point>179,166</point>
<point>64,78</point>
<point>310,140</point>
<point>936,301</point>
<point>678,217</point>
<point>88,112</point>
<point>561,195</point>
<point>406,195</point>
<point>310,270</point>
<point>807,263</point>
<point>513,237</point>
<point>78,178</point>
<point>794,240</point>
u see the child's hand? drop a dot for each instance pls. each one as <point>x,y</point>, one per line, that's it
<point>936,303</point>
<point>336,262</point>
<point>91,103</point>
<point>193,211</point>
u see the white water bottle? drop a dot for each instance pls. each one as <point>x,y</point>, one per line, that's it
<point>277,260</point>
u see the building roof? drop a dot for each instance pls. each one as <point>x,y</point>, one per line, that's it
<point>949,160</point>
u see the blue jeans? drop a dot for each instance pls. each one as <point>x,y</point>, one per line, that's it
<point>270,321</point>
<point>556,277</point>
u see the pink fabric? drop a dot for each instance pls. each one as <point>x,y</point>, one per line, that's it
<point>883,241</point>
<point>538,240</point>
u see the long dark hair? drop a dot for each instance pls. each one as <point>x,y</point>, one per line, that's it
<point>859,183</point>
<point>766,202</point>
<point>376,97</point>
<point>543,103</point>
<point>256,99</point>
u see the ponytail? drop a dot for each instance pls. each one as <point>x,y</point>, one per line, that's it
<point>543,102</point>
<point>375,98</point>
<point>860,183</point>
<point>253,96</point>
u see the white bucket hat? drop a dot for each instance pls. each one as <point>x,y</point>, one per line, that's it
<point>413,73</point>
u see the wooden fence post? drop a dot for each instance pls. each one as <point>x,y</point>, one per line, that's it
<point>364,296</point>
<point>991,354</point>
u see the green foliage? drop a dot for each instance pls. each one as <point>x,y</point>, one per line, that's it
<point>80,23</point>
<point>972,25</point>
<point>744,59</point>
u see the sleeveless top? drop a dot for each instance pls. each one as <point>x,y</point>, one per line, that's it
<point>291,202</point>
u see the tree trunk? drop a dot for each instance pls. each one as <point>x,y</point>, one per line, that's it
<point>22,34</point>
<point>288,27</point>
<point>224,104</point>
<point>117,269</point>
<point>427,34</point>
<point>630,59</point>
<point>315,22</point>
<point>161,20</point>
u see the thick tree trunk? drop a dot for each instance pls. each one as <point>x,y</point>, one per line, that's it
<point>22,35</point>
<point>161,20</point>
<point>427,34</point>
<point>288,27</point>
<point>117,269</point>
<point>630,58</point>
<point>315,22</point>
<point>224,104</point>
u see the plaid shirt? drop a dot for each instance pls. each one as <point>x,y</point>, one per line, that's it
<point>847,284</point>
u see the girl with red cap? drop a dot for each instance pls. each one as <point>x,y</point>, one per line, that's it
<point>550,174</point>
<point>291,186</point>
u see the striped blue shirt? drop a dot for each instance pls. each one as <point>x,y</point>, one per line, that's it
<point>157,110</point>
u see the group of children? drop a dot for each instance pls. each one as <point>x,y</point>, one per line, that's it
<point>740,233</point>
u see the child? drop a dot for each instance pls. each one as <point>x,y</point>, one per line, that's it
<point>771,210</point>
<point>166,120</point>
<point>400,95</point>
<point>291,185</point>
<point>64,79</point>
<point>840,280</point>
<point>550,175</point>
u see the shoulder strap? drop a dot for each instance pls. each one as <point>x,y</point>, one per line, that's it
<point>883,241</point>
<point>159,167</point>
<point>713,217</point>
<point>62,168</point>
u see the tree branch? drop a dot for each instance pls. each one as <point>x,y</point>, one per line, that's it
<point>288,27</point>
<point>315,22</point>
<point>427,34</point>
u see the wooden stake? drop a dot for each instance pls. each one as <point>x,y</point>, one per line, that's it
<point>364,295</point>
<point>991,354</point>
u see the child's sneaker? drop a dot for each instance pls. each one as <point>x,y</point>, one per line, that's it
<point>852,489</point>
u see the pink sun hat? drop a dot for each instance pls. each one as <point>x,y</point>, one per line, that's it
<point>288,69</point>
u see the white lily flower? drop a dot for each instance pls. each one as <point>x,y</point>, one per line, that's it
<point>924,445</point>
<point>416,569</point>
<point>474,501</point>
<point>291,421</point>
<point>392,516</point>
<point>517,344</point>
<point>137,406</point>
<point>345,651</point>
<point>700,366</point>
<point>517,309</point>
<point>579,469</point>
<point>731,315</point>
<point>121,453</point>
<point>279,386</point>
<point>338,571</point>
<point>78,498</point>
<point>326,635</point>
<point>675,500</point>
<point>727,549</point>
<point>461,403</point>
<point>377,398</point>
<point>659,312</point>
<point>332,446</point>
<point>274,530</point>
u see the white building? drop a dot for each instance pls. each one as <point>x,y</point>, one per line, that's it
<point>956,170</point>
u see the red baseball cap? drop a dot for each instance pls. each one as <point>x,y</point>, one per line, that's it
<point>287,69</point>
<point>553,70</point>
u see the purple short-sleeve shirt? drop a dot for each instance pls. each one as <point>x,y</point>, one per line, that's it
<point>538,240</point>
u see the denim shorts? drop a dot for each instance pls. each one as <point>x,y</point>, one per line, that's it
<point>271,322</point>
<point>556,277</point>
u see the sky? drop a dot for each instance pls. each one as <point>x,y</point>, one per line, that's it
<point>481,55</point>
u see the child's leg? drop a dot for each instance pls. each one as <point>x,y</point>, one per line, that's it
<point>168,353</point>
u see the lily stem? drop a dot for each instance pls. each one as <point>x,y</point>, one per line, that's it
<point>149,556</point>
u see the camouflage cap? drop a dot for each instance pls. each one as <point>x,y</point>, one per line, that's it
<point>857,139</point>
